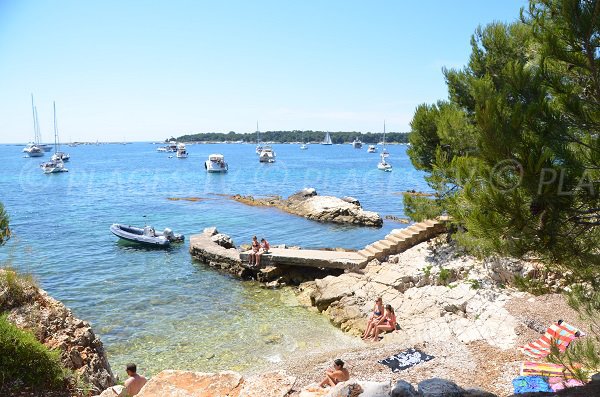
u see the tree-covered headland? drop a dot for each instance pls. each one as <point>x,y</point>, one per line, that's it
<point>296,136</point>
<point>513,153</point>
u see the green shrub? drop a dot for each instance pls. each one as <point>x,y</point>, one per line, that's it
<point>445,275</point>
<point>475,284</point>
<point>532,285</point>
<point>17,288</point>
<point>26,362</point>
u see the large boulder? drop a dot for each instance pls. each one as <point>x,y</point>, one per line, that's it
<point>270,384</point>
<point>437,387</point>
<point>404,389</point>
<point>170,383</point>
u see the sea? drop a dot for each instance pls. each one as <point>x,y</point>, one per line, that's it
<point>160,308</point>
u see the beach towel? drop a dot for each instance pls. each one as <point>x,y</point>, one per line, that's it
<point>560,334</point>
<point>406,359</point>
<point>531,384</point>
<point>557,384</point>
<point>530,368</point>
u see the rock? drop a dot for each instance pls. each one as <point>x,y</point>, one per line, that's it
<point>170,383</point>
<point>210,231</point>
<point>375,389</point>
<point>270,384</point>
<point>351,200</point>
<point>223,240</point>
<point>477,393</point>
<point>306,203</point>
<point>55,326</point>
<point>404,389</point>
<point>437,387</point>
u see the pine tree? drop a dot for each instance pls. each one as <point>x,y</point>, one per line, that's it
<point>4,230</point>
<point>514,154</point>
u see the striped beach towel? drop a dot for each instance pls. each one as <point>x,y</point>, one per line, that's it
<point>530,368</point>
<point>560,334</point>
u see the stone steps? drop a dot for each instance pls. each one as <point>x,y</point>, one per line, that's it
<point>400,240</point>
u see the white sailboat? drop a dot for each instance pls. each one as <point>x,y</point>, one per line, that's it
<point>304,146</point>
<point>56,164</point>
<point>259,147</point>
<point>327,140</point>
<point>383,165</point>
<point>34,149</point>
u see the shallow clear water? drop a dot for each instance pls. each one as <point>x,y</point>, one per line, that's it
<point>159,307</point>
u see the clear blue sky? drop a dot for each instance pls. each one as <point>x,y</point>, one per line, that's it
<point>146,70</point>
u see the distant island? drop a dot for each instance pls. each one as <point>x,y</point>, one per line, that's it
<point>295,136</point>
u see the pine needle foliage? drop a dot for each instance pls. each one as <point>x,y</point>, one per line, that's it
<point>514,153</point>
<point>582,357</point>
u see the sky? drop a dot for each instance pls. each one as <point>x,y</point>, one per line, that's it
<point>147,70</point>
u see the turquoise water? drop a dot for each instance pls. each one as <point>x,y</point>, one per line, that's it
<point>159,307</point>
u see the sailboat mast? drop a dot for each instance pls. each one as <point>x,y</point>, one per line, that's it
<point>34,122</point>
<point>55,129</point>
<point>257,134</point>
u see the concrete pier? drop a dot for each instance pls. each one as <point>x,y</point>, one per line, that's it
<point>309,258</point>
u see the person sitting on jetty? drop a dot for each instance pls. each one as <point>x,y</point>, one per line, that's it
<point>374,317</point>
<point>264,245</point>
<point>134,383</point>
<point>386,323</point>
<point>336,374</point>
<point>252,256</point>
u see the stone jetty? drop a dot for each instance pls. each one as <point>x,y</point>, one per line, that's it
<point>308,204</point>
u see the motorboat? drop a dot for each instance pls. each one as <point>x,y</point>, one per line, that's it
<point>181,151</point>
<point>267,155</point>
<point>146,235</point>
<point>304,146</point>
<point>33,150</point>
<point>62,156</point>
<point>216,163</point>
<point>327,140</point>
<point>53,167</point>
<point>162,149</point>
<point>357,144</point>
<point>372,149</point>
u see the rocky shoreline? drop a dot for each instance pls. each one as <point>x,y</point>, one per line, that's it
<point>55,326</point>
<point>308,204</point>
<point>460,310</point>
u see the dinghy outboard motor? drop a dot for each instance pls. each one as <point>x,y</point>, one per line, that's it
<point>168,233</point>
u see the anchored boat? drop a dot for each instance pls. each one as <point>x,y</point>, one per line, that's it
<point>146,235</point>
<point>216,163</point>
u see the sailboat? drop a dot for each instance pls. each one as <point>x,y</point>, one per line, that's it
<point>56,164</point>
<point>327,140</point>
<point>304,146</point>
<point>259,147</point>
<point>34,149</point>
<point>383,165</point>
<point>58,155</point>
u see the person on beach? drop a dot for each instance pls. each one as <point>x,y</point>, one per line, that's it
<point>386,323</point>
<point>252,256</point>
<point>335,375</point>
<point>374,317</point>
<point>134,383</point>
